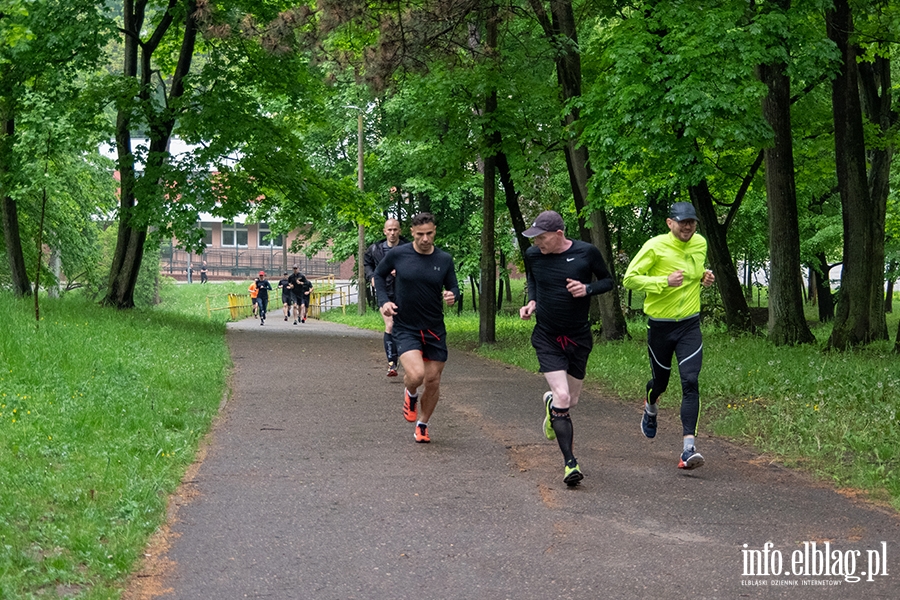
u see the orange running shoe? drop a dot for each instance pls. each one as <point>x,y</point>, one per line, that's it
<point>410,408</point>
<point>422,433</point>
<point>392,370</point>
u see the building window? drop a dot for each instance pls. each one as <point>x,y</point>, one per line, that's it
<point>207,236</point>
<point>264,242</point>
<point>234,234</point>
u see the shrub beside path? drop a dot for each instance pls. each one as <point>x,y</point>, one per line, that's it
<point>311,486</point>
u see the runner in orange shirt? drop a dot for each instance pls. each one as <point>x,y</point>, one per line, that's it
<point>253,294</point>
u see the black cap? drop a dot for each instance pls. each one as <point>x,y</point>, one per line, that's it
<point>682,211</point>
<point>549,220</point>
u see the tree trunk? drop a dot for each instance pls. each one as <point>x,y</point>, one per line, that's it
<point>787,323</point>
<point>487,319</point>
<point>737,312</point>
<point>132,233</point>
<point>892,273</point>
<point>856,320</point>
<point>889,296</point>
<point>9,214</point>
<point>55,266</point>
<point>568,73</point>
<point>823,288</point>
<point>487,325</point>
<point>512,199</point>
<point>875,87</point>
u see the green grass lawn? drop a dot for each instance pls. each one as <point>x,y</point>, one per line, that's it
<point>834,414</point>
<point>101,411</point>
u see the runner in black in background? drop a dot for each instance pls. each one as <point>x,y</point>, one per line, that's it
<point>263,287</point>
<point>287,296</point>
<point>300,288</point>
<point>559,289</point>
<point>425,280</point>
<point>374,255</point>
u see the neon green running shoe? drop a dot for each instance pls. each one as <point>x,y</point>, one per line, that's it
<point>573,474</point>
<point>548,429</point>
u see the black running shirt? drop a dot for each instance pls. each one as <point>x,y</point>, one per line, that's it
<point>556,309</point>
<point>262,287</point>
<point>418,286</point>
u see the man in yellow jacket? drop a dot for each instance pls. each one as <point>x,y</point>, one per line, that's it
<point>670,269</point>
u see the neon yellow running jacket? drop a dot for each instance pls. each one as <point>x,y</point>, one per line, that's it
<point>650,269</point>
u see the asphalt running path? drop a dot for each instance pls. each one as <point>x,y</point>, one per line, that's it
<point>312,487</point>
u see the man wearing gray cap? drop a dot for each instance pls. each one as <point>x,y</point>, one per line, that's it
<point>559,289</point>
<point>670,269</point>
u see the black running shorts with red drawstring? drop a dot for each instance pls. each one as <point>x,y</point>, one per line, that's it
<point>563,352</point>
<point>432,343</point>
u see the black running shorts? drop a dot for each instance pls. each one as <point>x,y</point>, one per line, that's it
<point>563,352</point>
<point>301,299</point>
<point>432,343</point>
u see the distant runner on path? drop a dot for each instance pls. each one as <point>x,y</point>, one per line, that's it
<point>670,269</point>
<point>559,289</point>
<point>300,287</point>
<point>263,287</point>
<point>425,280</point>
<point>254,292</point>
<point>287,296</point>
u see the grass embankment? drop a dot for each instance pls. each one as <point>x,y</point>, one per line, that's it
<point>101,412</point>
<point>834,414</point>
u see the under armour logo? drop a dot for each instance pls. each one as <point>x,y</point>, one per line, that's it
<point>437,268</point>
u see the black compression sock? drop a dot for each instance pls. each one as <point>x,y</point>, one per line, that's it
<point>562,425</point>
<point>389,346</point>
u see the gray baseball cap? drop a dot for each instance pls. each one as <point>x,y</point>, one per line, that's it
<point>682,211</point>
<point>549,220</point>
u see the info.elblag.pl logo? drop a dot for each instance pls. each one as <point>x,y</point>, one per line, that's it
<point>815,560</point>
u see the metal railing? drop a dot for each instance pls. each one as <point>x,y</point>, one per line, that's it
<point>243,263</point>
<point>239,305</point>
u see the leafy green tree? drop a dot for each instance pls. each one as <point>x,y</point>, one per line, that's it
<point>65,184</point>
<point>674,113</point>
<point>787,322</point>
<point>155,106</point>
<point>44,43</point>
<point>860,310</point>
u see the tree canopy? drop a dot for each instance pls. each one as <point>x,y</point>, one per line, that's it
<point>605,111</point>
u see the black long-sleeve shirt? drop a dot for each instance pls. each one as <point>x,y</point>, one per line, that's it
<point>375,254</point>
<point>555,308</point>
<point>418,286</point>
<point>263,287</point>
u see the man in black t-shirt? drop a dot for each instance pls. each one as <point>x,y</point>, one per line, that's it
<point>287,296</point>
<point>425,280</point>
<point>263,287</point>
<point>559,288</point>
<point>301,288</point>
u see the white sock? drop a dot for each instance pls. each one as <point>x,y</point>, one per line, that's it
<point>421,423</point>
<point>413,394</point>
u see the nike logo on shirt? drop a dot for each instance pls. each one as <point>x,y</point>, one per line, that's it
<point>570,259</point>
